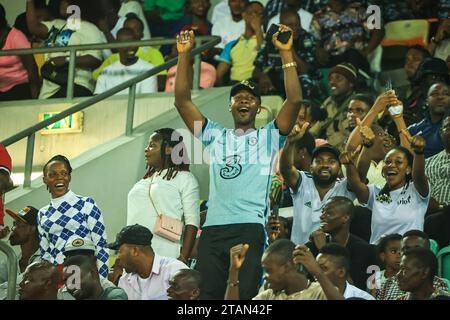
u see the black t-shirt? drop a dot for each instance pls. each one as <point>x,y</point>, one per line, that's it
<point>362,255</point>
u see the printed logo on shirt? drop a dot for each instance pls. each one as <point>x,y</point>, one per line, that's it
<point>308,204</point>
<point>253,141</point>
<point>404,201</point>
<point>58,37</point>
<point>232,168</point>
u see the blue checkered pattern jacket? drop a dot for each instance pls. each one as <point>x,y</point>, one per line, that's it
<point>71,215</point>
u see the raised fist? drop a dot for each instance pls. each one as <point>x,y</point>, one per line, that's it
<point>237,255</point>
<point>185,41</point>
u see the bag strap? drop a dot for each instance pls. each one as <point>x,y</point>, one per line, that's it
<point>150,196</point>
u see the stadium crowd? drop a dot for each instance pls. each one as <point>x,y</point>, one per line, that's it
<point>362,159</point>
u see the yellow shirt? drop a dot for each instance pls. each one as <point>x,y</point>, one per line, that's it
<point>240,54</point>
<point>148,54</point>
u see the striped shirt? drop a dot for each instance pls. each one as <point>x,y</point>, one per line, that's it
<point>437,169</point>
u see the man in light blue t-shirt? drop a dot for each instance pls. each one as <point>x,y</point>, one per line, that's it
<point>241,161</point>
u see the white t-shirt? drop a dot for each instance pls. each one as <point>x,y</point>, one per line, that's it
<point>354,292</point>
<point>308,206</point>
<point>405,211</point>
<point>177,198</point>
<point>220,10</point>
<point>64,36</point>
<point>117,73</point>
<point>305,19</point>
<point>228,30</point>
<point>136,8</point>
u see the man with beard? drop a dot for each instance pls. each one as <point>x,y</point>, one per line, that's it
<point>147,274</point>
<point>310,191</point>
<point>335,223</point>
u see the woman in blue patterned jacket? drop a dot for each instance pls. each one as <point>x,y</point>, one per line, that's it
<point>68,214</point>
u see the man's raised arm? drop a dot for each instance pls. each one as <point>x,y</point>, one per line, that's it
<point>288,113</point>
<point>183,81</point>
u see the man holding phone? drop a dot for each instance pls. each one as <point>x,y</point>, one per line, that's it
<point>268,71</point>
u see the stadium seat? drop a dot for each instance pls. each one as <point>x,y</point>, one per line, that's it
<point>406,33</point>
<point>443,257</point>
<point>399,35</point>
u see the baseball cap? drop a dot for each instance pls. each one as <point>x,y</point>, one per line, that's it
<point>432,66</point>
<point>78,245</point>
<point>326,148</point>
<point>250,86</point>
<point>26,215</point>
<point>135,234</point>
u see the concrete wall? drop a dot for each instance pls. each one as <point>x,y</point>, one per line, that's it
<point>102,122</point>
<point>13,8</point>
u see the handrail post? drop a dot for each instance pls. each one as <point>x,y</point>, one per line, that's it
<point>71,77</point>
<point>12,269</point>
<point>29,160</point>
<point>197,66</point>
<point>130,110</point>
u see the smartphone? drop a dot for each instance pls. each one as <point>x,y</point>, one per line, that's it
<point>283,37</point>
<point>275,211</point>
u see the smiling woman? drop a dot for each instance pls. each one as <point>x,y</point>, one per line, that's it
<point>68,214</point>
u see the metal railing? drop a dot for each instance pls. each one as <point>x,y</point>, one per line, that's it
<point>12,269</point>
<point>30,133</point>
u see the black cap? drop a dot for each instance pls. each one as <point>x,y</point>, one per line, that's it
<point>27,215</point>
<point>135,234</point>
<point>250,86</point>
<point>432,66</point>
<point>326,148</point>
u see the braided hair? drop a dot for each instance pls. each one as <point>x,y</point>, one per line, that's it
<point>386,191</point>
<point>170,138</point>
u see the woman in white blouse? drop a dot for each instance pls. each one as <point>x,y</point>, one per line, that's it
<point>401,204</point>
<point>167,188</point>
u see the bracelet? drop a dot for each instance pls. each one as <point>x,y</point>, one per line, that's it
<point>232,284</point>
<point>288,65</point>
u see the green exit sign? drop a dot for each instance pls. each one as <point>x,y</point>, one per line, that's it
<point>70,124</point>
